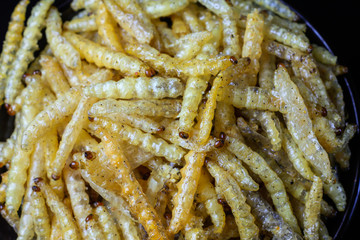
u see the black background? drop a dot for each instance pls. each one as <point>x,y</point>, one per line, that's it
<point>336,21</point>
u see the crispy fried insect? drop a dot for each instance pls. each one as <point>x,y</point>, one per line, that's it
<point>209,110</point>
<point>162,174</point>
<point>130,188</point>
<point>162,8</point>
<point>70,135</point>
<point>266,71</point>
<point>245,221</point>
<point>206,193</point>
<point>51,115</point>
<point>126,223</point>
<point>233,166</point>
<point>252,98</point>
<point>231,39</point>
<point>253,37</point>
<point>132,19</point>
<point>165,64</point>
<point>107,223</point>
<point>146,124</point>
<point>269,123</point>
<point>272,182</point>
<point>89,5</point>
<point>156,146</point>
<point>80,204</point>
<point>27,226</point>
<point>287,37</point>
<point>312,210</point>
<point>105,57</point>
<point>61,48</point>
<point>61,211</point>
<point>297,115</point>
<point>11,43</point>
<point>279,8</point>
<point>225,121</point>
<point>54,75</point>
<point>322,55</point>
<point>82,24</point>
<point>8,147</point>
<point>40,215</point>
<point>107,27</point>
<point>270,219</point>
<point>186,190</point>
<point>295,155</point>
<point>137,88</point>
<point>168,108</point>
<point>20,161</point>
<point>189,45</point>
<point>171,134</point>
<point>25,53</point>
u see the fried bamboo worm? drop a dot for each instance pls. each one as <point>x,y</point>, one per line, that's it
<point>70,135</point>
<point>20,161</point>
<point>272,182</point>
<point>304,137</point>
<point>36,170</point>
<point>130,189</point>
<point>236,200</point>
<point>54,75</point>
<point>312,210</point>
<point>253,98</point>
<point>172,67</point>
<point>67,223</point>
<point>107,28</point>
<point>40,214</point>
<point>145,124</point>
<point>51,115</point>
<point>82,24</point>
<point>132,19</point>
<point>25,53</point>
<point>80,203</point>
<point>137,88</point>
<point>11,43</point>
<point>61,48</point>
<point>105,57</point>
<point>270,220</point>
<point>149,142</point>
<point>107,223</point>
<point>279,8</point>
<point>209,110</point>
<point>253,37</point>
<point>187,188</point>
<point>233,166</point>
<point>231,39</point>
<point>162,8</point>
<point>206,193</point>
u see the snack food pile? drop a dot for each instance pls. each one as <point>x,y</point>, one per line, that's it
<point>206,119</point>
